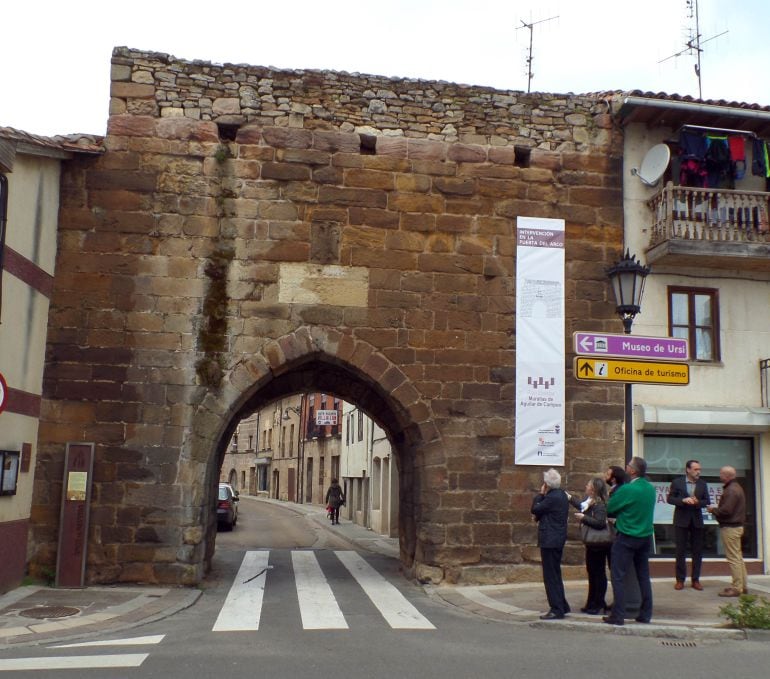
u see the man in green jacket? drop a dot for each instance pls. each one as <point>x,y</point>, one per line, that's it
<point>633,505</point>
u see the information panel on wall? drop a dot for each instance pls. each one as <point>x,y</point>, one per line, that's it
<point>74,518</point>
<point>540,351</point>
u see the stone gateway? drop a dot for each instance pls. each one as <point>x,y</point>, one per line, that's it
<point>249,233</point>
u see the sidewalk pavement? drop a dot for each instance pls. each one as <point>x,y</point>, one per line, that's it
<point>42,615</point>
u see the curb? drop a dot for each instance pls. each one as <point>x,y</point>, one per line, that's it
<point>502,612</point>
<point>152,612</point>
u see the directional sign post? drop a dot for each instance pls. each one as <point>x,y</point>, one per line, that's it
<point>631,346</point>
<point>639,372</point>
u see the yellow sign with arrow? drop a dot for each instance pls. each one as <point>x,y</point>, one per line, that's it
<point>639,372</point>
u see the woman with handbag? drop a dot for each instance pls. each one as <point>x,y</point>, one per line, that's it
<point>597,538</point>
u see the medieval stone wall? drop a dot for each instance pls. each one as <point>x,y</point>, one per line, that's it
<point>249,233</point>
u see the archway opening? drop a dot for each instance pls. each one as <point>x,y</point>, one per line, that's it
<point>316,420</point>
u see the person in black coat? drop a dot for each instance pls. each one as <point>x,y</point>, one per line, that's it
<point>335,498</point>
<point>550,508</point>
<point>690,496</point>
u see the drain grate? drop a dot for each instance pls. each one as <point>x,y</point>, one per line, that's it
<point>679,644</point>
<point>45,612</point>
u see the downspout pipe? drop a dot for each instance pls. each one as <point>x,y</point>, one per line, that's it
<point>693,107</point>
<point>3,222</point>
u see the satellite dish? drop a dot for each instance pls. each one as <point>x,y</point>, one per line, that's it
<point>654,165</point>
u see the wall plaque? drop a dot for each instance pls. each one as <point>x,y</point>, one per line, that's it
<point>74,516</point>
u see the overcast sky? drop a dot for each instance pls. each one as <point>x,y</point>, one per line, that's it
<point>55,56</point>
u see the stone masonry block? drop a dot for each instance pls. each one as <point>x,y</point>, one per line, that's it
<point>282,137</point>
<point>467,153</point>
<point>131,126</point>
<point>128,90</point>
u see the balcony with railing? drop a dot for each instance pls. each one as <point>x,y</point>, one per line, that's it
<point>715,228</point>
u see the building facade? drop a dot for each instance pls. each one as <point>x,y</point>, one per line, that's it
<point>703,230</point>
<point>30,171</point>
<point>368,473</point>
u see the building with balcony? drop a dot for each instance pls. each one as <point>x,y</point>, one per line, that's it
<point>703,228</point>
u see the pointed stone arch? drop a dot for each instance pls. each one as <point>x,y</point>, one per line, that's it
<point>320,359</point>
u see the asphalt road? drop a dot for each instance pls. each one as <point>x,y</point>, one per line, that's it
<point>371,645</point>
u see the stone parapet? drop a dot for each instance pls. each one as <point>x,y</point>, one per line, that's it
<point>160,85</point>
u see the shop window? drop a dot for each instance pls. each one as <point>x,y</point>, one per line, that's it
<point>693,314</point>
<point>9,471</point>
<point>666,457</point>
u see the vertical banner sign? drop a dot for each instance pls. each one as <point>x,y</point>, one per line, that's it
<point>540,352</point>
<point>73,521</point>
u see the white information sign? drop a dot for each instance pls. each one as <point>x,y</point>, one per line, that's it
<point>323,417</point>
<point>540,352</point>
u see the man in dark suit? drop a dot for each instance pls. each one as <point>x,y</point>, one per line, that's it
<point>551,508</point>
<point>690,495</point>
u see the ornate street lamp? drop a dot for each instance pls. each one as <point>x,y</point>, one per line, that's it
<point>627,278</point>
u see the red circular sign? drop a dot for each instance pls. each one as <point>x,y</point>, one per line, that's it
<point>3,393</point>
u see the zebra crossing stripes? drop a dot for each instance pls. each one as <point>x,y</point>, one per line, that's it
<point>393,605</point>
<point>130,641</point>
<point>73,662</point>
<point>85,662</point>
<point>317,605</point>
<point>243,606</point>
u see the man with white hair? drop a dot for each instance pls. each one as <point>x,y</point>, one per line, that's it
<point>551,508</point>
<point>731,514</point>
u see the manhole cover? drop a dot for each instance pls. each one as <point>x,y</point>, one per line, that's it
<point>43,612</point>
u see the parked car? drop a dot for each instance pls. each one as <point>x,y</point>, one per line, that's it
<point>227,506</point>
<point>235,493</point>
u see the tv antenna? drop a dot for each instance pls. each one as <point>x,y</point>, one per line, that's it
<point>530,26</point>
<point>693,45</point>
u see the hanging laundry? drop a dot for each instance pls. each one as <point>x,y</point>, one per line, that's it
<point>758,163</point>
<point>692,146</point>
<point>737,144</point>
<point>717,161</point>
<point>767,161</point>
<point>692,154</point>
<point>692,173</point>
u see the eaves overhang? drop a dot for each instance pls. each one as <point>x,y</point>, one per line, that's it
<point>693,420</point>
<point>673,113</point>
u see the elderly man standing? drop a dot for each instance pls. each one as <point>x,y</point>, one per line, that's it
<point>550,508</point>
<point>633,506</point>
<point>731,515</point>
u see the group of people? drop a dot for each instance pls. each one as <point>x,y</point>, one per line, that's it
<point>616,522</point>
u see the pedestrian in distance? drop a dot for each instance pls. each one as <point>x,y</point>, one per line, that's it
<point>730,512</point>
<point>690,496</point>
<point>550,508</point>
<point>335,498</point>
<point>633,506</point>
<point>597,538</point>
